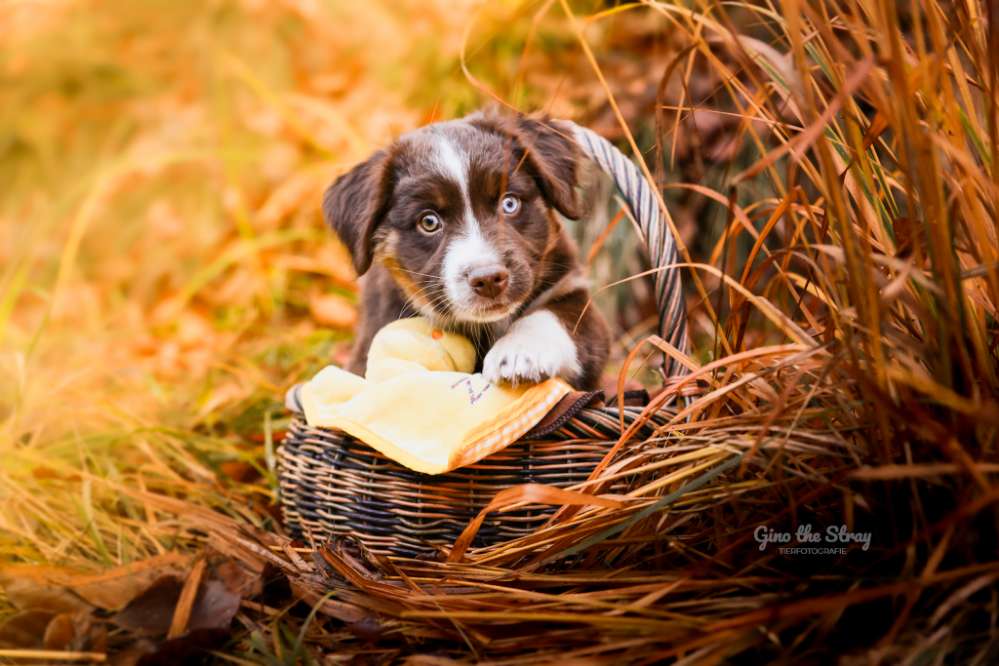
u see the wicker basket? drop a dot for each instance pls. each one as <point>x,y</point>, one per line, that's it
<point>333,485</point>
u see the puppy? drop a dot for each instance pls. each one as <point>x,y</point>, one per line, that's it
<point>457,221</point>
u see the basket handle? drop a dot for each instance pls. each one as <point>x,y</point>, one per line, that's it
<point>656,235</point>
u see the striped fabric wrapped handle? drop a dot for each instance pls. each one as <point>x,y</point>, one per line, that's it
<point>656,235</point>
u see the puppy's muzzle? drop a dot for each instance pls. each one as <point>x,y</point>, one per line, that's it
<point>489,281</point>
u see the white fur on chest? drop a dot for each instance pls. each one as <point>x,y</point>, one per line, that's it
<point>536,347</point>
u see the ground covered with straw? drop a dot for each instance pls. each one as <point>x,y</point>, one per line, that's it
<point>830,169</point>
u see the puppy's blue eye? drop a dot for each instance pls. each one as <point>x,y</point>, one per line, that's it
<point>509,204</point>
<point>429,223</point>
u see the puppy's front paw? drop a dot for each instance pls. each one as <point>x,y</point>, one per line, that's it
<point>511,360</point>
<point>536,347</point>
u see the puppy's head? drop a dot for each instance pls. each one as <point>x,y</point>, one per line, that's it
<point>460,212</point>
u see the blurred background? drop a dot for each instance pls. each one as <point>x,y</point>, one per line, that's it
<point>162,251</point>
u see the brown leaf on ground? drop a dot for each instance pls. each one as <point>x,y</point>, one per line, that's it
<point>332,310</point>
<point>59,589</point>
<point>192,647</point>
<point>239,578</point>
<point>193,626</point>
<point>214,591</point>
<point>133,653</point>
<point>202,605</point>
<point>77,632</point>
<point>239,471</point>
<point>25,630</point>
<point>44,630</point>
<point>115,588</point>
<point>40,595</point>
<point>332,261</point>
<point>214,607</point>
<point>60,632</point>
<point>150,613</point>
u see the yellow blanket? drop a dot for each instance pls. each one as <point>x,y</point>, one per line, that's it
<point>421,405</point>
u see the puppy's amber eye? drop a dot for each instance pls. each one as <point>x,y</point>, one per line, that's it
<point>430,223</point>
<point>509,204</point>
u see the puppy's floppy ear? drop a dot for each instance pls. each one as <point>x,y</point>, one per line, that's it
<point>355,204</point>
<point>553,156</point>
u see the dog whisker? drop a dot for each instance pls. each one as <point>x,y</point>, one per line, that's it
<point>429,275</point>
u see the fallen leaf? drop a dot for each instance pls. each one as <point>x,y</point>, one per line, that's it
<point>292,194</point>
<point>239,471</point>
<point>24,630</point>
<point>150,613</point>
<point>220,586</point>
<point>189,648</point>
<point>60,632</point>
<point>29,593</point>
<point>239,578</point>
<point>214,608</point>
<point>332,310</point>
<point>133,654</point>
<point>114,589</point>
<point>332,260</point>
<point>59,589</point>
<point>42,473</point>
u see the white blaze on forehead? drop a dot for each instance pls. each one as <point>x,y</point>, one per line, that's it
<point>469,249</point>
<point>451,162</point>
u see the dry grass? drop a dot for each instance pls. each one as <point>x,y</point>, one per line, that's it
<point>830,163</point>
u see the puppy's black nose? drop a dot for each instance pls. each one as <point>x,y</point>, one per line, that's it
<point>490,281</point>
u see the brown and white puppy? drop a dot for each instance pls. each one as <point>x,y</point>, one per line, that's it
<point>457,221</point>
